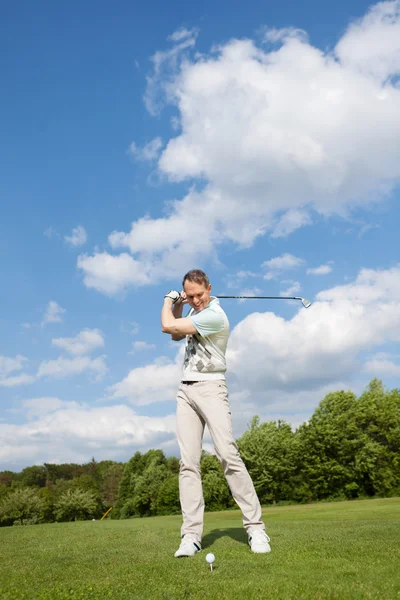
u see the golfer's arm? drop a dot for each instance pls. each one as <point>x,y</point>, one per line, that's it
<point>176,327</point>
<point>177,310</point>
<point>177,338</point>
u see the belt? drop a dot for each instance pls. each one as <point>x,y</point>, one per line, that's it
<point>189,382</point>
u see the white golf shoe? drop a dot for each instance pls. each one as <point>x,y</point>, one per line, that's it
<point>259,541</point>
<point>189,546</point>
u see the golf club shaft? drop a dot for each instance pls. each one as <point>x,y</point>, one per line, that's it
<point>306,303</point>
<point>263,297</point>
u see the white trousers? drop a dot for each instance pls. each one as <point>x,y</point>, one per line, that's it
<point>206,403</point>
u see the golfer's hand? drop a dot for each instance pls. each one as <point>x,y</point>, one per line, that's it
<point>173,295</point>
<point>184,300</point>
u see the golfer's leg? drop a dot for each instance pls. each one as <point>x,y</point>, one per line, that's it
<point>190,429</point>
<point>216,411</point>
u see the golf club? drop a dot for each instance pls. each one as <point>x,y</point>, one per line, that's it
<point>306,303</point>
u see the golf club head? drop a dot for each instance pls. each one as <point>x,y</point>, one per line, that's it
<point>306,303</point>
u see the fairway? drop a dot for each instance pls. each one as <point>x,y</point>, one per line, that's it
<point>335,551</point>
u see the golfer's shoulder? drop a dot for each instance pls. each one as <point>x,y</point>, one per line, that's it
<point>216,309</point>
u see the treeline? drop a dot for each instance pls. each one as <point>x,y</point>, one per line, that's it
<point>350,448</point>
<point>65,492</point>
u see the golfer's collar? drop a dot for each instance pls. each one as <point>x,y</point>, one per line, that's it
<point>213,300</point>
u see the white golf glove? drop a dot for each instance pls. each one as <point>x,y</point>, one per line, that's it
<point>174,295</point>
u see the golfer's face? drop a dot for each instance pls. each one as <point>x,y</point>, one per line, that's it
<point>197,294</point>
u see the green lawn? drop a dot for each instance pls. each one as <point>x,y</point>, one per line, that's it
<point>331,551</point>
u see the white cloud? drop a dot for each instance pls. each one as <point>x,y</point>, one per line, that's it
<point>381,365</point>
<point>320,345</point>
<point>282,263</point>
<point>130,327</point>
<point>286,261</point>
<point>182,34</point>
<point>140,345</point>
<point>37,407</point>
<point>164,62</point>
<point>268,137</point>
<point>279,112</point>
<point>252,292</point>
<point>147,235</point>
<point>112,274</point>
<point>278,35</point>
<point>84,343</point>
<point>16,380</point>
<point>78,236</point>
<point>148,152</point>
<point>134,328</point>
<point>51,232</point>
<point>10,365</point>
<point>177,243</point>
<point>235,282</point>
<point>294,288</point>
<point>321,270</point>
<point>53,313</point>
<point>67,367</point>
<point>157,382</point>
<point>371,45</point>
<point>74,433</point>
<point>246,274</point>
<point>291,220</point>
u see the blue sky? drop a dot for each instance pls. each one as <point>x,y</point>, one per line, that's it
<point>257,141</point>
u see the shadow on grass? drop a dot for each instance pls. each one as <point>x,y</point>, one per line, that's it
<point>236,533</point>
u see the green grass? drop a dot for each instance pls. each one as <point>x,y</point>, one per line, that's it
<point>342,550</point>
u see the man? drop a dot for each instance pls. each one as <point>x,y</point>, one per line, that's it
<point>203,400</point>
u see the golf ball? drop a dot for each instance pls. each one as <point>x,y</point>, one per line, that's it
<point>210,558</point>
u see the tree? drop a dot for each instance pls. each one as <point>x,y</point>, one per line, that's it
<point>377,414</point>
<point>75,505</point>
<point>86,483</point>
<point>92,470</point>
<point>216,491</point>
<point>45,495</point>
<point>328,444</point>
<point>146,497</point>
<point>351,446</point>
<point>33,476</point>
<point>173,465</point>
<point>140,484</point>
<point>134,466</point>
<point>168,496</point>
<point>59,488</point>
<point>4,491</point>
<point>63,471</point>
<point>22,507</point>
<point>7,478</point>
<point>110,483</point>
<point>269,451</point>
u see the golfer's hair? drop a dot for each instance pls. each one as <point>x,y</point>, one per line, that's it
<point>196,276</point>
